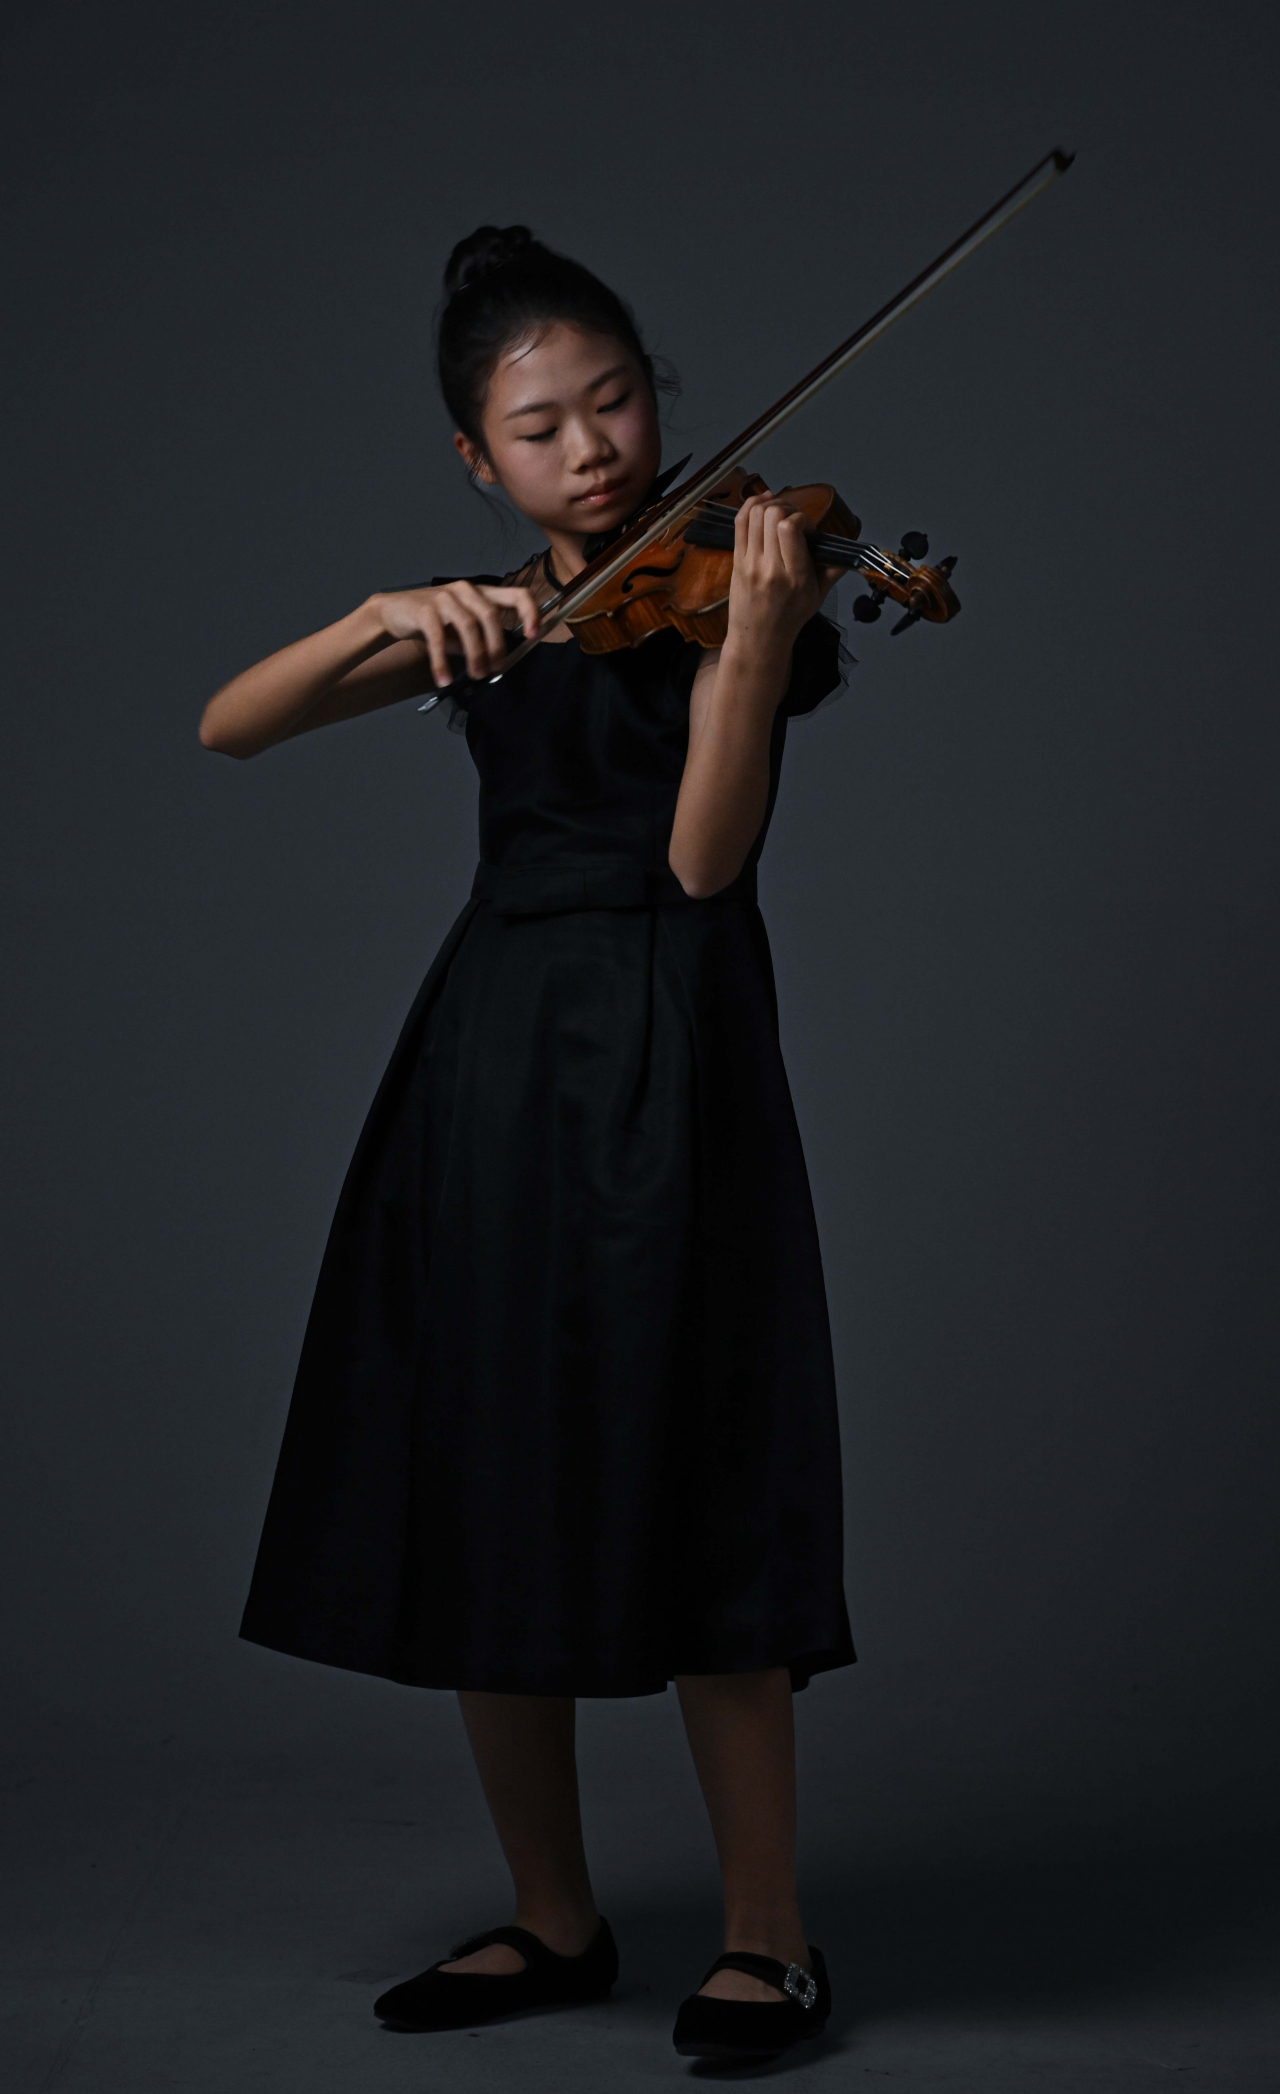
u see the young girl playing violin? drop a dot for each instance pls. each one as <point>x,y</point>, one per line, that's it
<point>564,1421</point>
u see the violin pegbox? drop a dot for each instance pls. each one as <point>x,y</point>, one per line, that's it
<point>925,591</point>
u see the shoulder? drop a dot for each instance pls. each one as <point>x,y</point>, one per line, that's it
<point>531,574</point>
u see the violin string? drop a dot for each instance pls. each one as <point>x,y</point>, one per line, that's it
<point>826,547</point>
<point>850,552</point>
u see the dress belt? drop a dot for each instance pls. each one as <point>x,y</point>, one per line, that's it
<point>619,883</point>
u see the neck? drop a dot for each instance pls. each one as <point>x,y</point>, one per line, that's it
<point>567,557</point>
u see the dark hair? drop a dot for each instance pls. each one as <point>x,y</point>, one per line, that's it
<point>500,285</point>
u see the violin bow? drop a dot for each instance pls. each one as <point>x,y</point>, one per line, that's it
<point>683,500</point>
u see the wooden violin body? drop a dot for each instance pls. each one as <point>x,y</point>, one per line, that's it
<point>681,578</point>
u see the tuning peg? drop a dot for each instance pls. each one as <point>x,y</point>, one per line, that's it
<point>945,566</point>
<point>914,545</point>
<point>912,618</point>
<point>866,609</point>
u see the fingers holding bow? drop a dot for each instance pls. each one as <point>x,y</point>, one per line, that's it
<point>460,620</point>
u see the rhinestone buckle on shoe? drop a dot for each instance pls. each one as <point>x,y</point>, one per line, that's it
<point>800,1985</point>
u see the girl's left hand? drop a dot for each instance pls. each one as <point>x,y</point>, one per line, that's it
<point>775,588</point>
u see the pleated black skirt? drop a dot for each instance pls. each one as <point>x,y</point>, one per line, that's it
<point>565,1417</point>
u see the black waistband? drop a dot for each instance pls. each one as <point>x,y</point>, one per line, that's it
<point>620,883</point>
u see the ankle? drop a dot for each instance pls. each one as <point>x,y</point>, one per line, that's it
<point>779,1933</point>
<point>567,1928</point>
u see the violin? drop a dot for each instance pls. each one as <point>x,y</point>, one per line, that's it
<point>682,577</point>
<point>673,565</point>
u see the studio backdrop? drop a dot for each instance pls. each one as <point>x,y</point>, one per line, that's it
<point>1021,884</point>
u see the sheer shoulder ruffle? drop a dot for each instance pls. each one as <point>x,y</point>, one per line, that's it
<point>821,663</point>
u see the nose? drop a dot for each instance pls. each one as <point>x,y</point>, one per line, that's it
<point>587,444</point>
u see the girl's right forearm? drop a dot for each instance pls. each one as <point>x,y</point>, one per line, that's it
<point>267,703</point>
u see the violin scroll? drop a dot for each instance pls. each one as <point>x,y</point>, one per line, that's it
<point>926,591</point>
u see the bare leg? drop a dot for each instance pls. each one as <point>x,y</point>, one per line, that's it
<point>523,1747</point>
<point>741,1734</point>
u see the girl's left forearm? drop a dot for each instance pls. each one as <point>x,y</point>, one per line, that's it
<point>725,788</point>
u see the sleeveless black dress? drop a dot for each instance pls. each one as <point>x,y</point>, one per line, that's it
<point>565,1417</point>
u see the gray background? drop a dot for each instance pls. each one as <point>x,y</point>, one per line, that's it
<point>1021,888</point>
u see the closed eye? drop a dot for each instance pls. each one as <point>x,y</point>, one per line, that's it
<point>539,436</point>
<point>612,406</point>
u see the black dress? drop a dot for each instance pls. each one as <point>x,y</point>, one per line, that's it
<point>565,1418</point>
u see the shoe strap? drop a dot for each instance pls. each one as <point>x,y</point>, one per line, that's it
<point>533,1950</point>
<point>791,1979</point>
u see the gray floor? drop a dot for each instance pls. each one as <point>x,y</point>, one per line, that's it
<point>213,1928</point>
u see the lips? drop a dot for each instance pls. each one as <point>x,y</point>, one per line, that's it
<point>596,497</point>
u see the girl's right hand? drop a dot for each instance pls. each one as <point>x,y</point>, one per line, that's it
<point>459,618</point>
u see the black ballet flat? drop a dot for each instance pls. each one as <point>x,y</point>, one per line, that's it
<point>737,2031</point>
<point>461,1999</point>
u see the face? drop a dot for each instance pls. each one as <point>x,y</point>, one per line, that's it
<point>570,431</point>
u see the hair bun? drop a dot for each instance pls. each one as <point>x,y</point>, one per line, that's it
<point>489,248</point>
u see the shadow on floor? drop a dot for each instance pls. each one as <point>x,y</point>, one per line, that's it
<point>1075,1931</point>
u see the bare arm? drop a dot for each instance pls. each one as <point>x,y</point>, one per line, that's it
<point>391,647</point>
<point>736,692</point>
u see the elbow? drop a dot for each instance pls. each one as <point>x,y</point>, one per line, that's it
<point>702,877</point>
<point>700,890</point>
<point>214,737</point>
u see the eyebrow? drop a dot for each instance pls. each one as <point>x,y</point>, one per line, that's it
<point>545,406</point>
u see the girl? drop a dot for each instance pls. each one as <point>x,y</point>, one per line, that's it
<point>565,1419</point>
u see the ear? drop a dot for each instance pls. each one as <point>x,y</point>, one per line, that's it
<point>474,459</point>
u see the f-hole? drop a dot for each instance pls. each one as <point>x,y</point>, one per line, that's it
<point>662,574</point>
